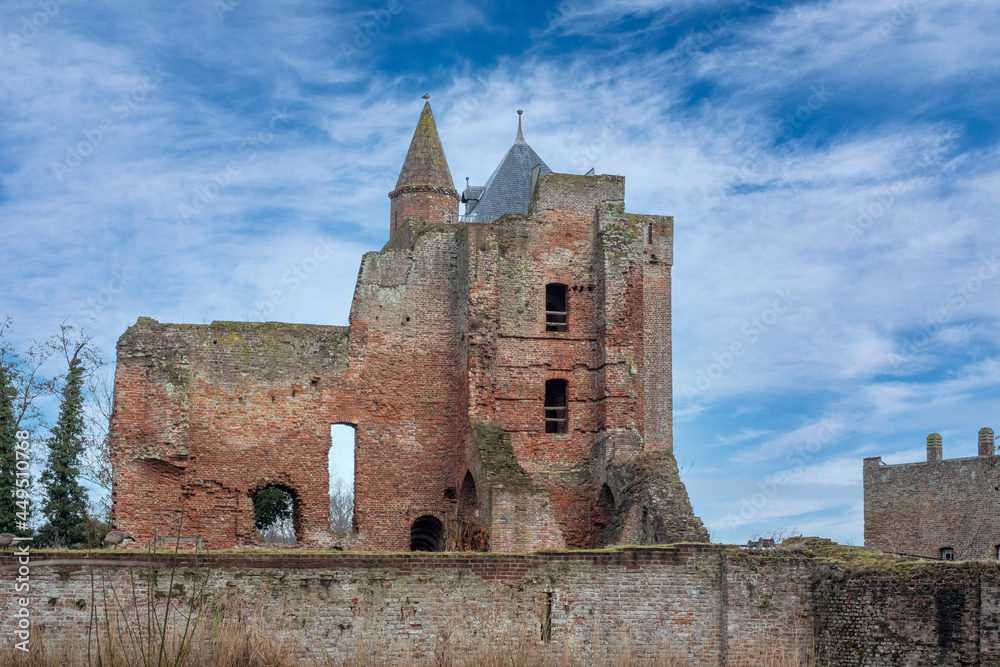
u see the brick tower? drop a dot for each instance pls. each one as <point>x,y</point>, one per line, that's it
<point>424,188</point>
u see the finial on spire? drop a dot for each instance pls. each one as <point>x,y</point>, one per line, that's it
<point>520,137</point>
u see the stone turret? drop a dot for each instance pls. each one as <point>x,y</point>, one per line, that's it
<point>424,188</point>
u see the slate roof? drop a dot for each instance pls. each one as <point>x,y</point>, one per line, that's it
<point>425,163</point>
<point>473,192</point>
<point>508,190</point>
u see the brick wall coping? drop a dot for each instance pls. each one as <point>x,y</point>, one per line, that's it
<point>882,464</point>
<point>628,557</point>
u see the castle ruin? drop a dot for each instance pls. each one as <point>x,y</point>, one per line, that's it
<point>507,371</point>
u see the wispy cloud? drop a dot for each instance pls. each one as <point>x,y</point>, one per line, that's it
<point>842,153</point>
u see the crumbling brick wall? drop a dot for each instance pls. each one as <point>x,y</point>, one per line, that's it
<point>447,330</point>
<point>206,415</point>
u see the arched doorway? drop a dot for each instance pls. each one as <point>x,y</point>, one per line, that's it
<point>468,500</point>
<point>601,512</point>
<point>427,534</point>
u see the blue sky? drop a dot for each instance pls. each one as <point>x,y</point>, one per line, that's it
<point>832,168</point>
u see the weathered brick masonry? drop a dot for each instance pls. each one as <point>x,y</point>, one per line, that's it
<point>707,604</point>
<point>443,373</point>
<point>937,508</point>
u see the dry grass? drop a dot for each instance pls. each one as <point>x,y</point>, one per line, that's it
<point>236,641</point>
<point>134,625</point>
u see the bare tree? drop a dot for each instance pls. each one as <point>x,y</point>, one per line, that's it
<point>22,384</point>
<point>24,371</point>
<point>279,532</point>
<point>96,461</point>
<point>73,345</point>
<point>341,506</point>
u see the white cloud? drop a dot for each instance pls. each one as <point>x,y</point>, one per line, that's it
<point>874,215</point>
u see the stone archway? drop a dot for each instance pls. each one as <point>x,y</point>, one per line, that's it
<point>468,500</point>
<point>427,534</point>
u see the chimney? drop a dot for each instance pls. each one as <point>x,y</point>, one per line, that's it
<point>934,447</point>
<point>986,440</point>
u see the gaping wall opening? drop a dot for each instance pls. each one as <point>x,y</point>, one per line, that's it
<point>274,514</point>
<point>600,513</point>
<point>427,534</point>
<point>468,503</point>
<point>341,466</point>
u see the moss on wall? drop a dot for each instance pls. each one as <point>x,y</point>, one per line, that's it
<point>499,461</point>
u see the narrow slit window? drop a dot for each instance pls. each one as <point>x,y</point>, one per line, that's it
<point>556,311</point>
<point>556,414</point>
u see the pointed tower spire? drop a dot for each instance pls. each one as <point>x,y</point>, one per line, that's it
<point>424,188</point>
<point>520,137</point>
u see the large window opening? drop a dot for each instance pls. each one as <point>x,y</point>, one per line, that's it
<point>427,534</point>
<point>556,413</point>
<point>341,465</point>
<point>274,515</point>
<point>556,308</point>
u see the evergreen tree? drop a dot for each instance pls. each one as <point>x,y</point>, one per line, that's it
<point>271,505</point>
<point>8,456</point>
<point>66,500</point>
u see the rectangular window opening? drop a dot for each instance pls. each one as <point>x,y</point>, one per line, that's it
<point>556,413</point>
<point>556,311</point>
<point>947,553</point>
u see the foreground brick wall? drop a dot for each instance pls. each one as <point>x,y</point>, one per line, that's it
<point>709,605</point>
<point>921,508</point>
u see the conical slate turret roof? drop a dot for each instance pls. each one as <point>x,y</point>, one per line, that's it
<point>508,190</point>
<point>425,163</point>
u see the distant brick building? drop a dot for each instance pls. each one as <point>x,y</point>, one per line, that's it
<point>508,374</point>
<point>939,508</point>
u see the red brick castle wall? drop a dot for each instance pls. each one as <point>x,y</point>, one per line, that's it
<point>442,372</point>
